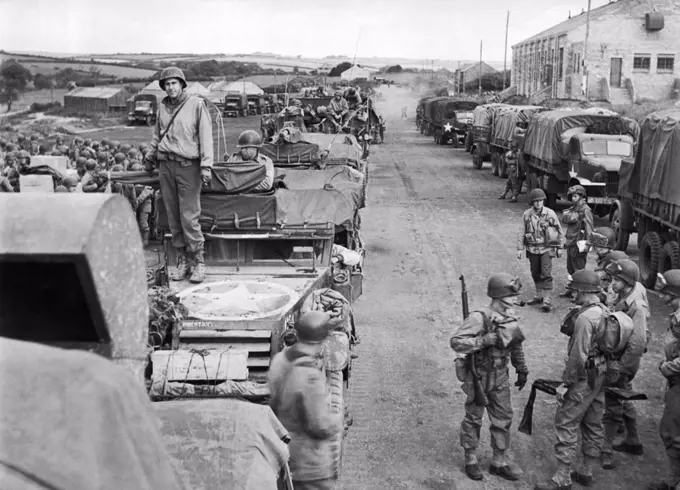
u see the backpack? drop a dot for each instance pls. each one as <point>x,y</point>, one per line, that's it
<point>613,333</point>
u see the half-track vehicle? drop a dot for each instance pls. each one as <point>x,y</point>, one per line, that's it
<point>649,196</point>
<point>565,147</point>
<point>235,104</point>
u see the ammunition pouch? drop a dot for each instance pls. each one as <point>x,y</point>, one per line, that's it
<point>596,366</point>
<point>491,359</point>
<point>462,372</point>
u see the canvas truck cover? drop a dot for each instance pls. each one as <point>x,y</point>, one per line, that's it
<point>446,108</point>
<point>428,107</point>
<point>343,149</point>
<point>506,122</point>
<point>655,173</point>
<point>300,153</point>
<point>482,115</point>
<point>545,132</point>
<point>246,451</point>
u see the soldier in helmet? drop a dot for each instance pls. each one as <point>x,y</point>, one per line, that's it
<point>668,284</point>
<point>631,298</point>
<point>249,144</point>
<point>298,398</point>
<point>494,339</point>
<point>353,97</point>
<point>602,240</point>
<point>579,221</point>
<point>182,148</point>
<point>337,109</point>
<point>541,236</point>
<point>580,397</point>
<point>512,184</point>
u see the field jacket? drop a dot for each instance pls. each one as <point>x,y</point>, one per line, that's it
<point>582,345</point>
<point>532,232</point>
<point>338,107</point>
<point>579,221</point>
<point>634,305</point>
<point>670,367</point>
<point>190,137</point>
<point>268,181</point>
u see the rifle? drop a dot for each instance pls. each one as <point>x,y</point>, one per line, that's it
<point>550,387</point>
<point>480,397</point>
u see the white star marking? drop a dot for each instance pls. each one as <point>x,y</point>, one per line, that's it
<point>447,127</point>
<point>237,301</point>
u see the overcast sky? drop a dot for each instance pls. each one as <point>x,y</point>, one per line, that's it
<point>421,29</point>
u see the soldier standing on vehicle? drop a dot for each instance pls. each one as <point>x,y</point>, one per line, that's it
<point>249,144</point>
<point>182,148</point>
<point>513,183</point>
<point>298,398</point>
<point>579,221</point>
<point>631,299</point>
<point>668,284</point>
<point>490,338</point>
<point>541,236</point>
<point>580,397</point>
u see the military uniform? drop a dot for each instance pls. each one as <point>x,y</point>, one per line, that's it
<point>617,412</point>
<point>144,209</point>
<point>491,362</point>
<point>268,181</point>
<point>579,221</point>
<point>513,183</point>
<point>534,237</point>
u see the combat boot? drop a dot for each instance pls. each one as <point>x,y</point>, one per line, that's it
<point>501,467</point>
<point>513,198</point>
<point>607,460</point>
<point>584,475</point>
<point>179,272</point>
<point>198,274</point>
<point>145,238</point>
<point>547,301</point>
<point>502,196</point>
<point>472,465</point>
<point>561,480</point>
<point>631,444</point>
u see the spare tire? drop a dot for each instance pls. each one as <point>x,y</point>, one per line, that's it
<point>670,257</point>
<point>650,253</point>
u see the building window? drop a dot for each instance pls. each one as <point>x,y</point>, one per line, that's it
<point>642,62</point>
<point>560,65</point>
<point>665,62</point>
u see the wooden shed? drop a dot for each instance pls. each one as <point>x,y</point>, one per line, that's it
<point>96,99</point>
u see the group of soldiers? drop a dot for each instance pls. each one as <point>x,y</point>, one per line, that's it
<point>607,338</point>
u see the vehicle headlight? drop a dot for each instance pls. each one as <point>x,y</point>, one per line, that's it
<point>600,176</point>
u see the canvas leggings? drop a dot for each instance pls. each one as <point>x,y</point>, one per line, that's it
<point>513,182</point>
<point>325,484</point>
<point>617,413</point>
<point>499,409</point>
<point>181,190</point>
<point>541,270</point>
<point>582,410</point>
<point>143,212</point>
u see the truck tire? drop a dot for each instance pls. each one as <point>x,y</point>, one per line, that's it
<point>336,396</point>
<point>622,236</point>
<point>494,165</point>
<point>670,256</point>
<point>650,253</point>
<point>468,141</point>
<point>477,160</point>
<point>641,231</point>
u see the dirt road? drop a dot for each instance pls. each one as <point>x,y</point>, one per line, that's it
<point>431,217</point>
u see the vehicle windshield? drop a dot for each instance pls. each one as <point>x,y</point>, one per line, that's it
<point>464,115</point>
<point>142,104</point>
<point>607,147</point>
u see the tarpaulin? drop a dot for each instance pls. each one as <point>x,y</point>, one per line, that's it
<point>339,177</point>
<point>224,443</point>
<point>506,123</point>
<point>77,421</point>
<point>342,148</point>
<point>656,172</point>
<point>235,178</point>
<point>291,153</point>
<point>544,137</point>
<point>446,109</point>
<point>482,115</point>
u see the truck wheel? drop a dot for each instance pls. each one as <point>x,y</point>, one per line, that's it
<point>454,140</point>
<point>641,231</point>
<point>494,165</point>
<point>650,253</point>
<point>670,256</point>
<point>477,161</point>
<point>468,142</point>
<point>622,236</point>
<point>336,395</point>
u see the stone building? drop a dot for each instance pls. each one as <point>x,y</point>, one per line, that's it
<point>632,49</point>
<point>470,73</point>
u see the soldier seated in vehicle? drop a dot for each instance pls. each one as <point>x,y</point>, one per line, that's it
<point>353,97</point>
<point>249,144</point>
<point>338,109</point>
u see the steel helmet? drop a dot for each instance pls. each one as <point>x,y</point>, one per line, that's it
<point>624,269</point>
<point>21,137</point>
<point>313,327</point>
<point>42,149</point>
<point>105,142</point>
<point>296,102</point>
<point>87,142</point>
<point>24,154</point>
<point>119,157</point>
<point>143,146</point>
<point>34,137</point>
<point>585,281</point>
<point>669,282</point>
<point>102,156</point>
<point>137,167</point>
<point>70,181</point>
<point>90,164</point>
<point>172,72</point>
<point>117,168</point>
<point>114,144</point>
<point>603,237</point>
<point>503,285</point>
<point>613,256</point>
<point>60,188</point>
<point>578,190</point>
<point>338,93</point>
<point>510,157</point>
<point>63,149</point>
<point>249,139</point>
<point>80,162</point>
<point>78,140</point>
<point>537,195</point>
<point>125,148</point>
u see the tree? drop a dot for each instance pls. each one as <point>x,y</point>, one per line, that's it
<point>338,69</point>
<point>13,80</point>
<point>42,82</point>
<point>394,69</point>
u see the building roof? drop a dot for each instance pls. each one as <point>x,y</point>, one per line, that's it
<point>95,92</point>
<point>192,88</point>
<point>237,86</point>
<point>469,66</point>
<point>576,21</point>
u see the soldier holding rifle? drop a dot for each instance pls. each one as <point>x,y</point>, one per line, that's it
<point>486,341</point>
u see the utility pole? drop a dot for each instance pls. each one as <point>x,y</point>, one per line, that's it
<point>480,67</point>
<point>505,57</point>
<point>585,49</point>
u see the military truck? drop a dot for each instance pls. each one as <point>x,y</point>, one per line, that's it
<point>567,147</point>
<point>649,192</point>
<point>427,123</point>
<point>450,120</point>
<point>508,128</point>
<point>144,109</point>
<point>479,136</point>
<point>255,104</point>
<point>235,104</point>
<point>91,267</point>
<point>420,109</point>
